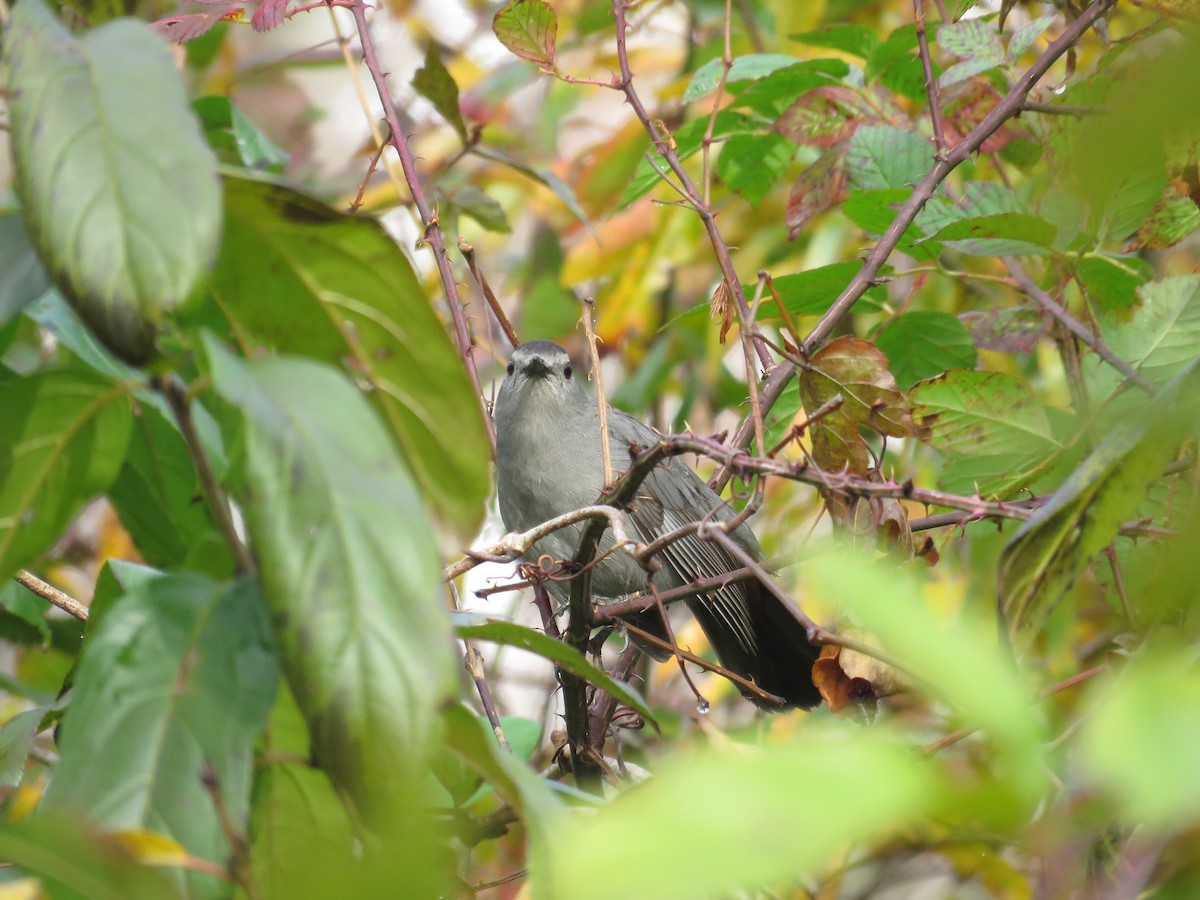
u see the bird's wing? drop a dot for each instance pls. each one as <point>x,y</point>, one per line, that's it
<point>671,497</point>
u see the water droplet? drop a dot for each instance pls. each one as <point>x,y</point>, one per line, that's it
<point>701,706</point>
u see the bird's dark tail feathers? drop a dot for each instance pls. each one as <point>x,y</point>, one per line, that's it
<point>782,664</point>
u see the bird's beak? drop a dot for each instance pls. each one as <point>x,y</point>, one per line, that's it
<point>537,369</point>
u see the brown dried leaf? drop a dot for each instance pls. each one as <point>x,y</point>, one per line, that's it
<point>824,116</point>
<point>820,186</point>
<point>857,370</point>
<point>720,307</point>
<point>965,106</point>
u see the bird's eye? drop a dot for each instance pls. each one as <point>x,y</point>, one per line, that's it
<point>510,368</point>
<point>566,371</point>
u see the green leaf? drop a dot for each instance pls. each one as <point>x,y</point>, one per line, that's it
<point>75,864</point>
<point>811,293</point>
<point>63,441</point>
<point>750,165</point>
<point>22,278</point>
<point>688,141</point>
<point>434,82</point>
<point>342,291</point>
<point>883,156</point>
<point>235,138</point>
<point>784,85</point>
<point>967,69</point>
<point>744,68</point>
<point>529,29</point>
<point>158,499</point>
<point>16,740</point>
<point>175,683</point>
<point>990,421</point>
<point>1172,218</point>
<point>854,39</point>
<point>923,344</point>
<point>1138,740</point>
<point>1163,336</point>
<point>1026,36</point>
<point>1002,234</point>
<point>117,184</point>
<point>473,743</point>
<point>475,203</point>
<point>874,212</point>
<point>541,175</point>
<point>21,604</point>
<point>302,839</point>
<point>974,39</point>
<point>741,817</point>
<point>1050,550</point>
<point>958,660</point>
<point>1111,282</point>
<point>349,567</point>
<point>897,66</point>
<point>564,657</point>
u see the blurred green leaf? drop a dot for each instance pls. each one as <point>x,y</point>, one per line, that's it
<point>22,278</point>
<point>896,64</point>
<point>118,188</point>
<point>1026,36</point>
<point>854,39</point>
<point>960,661</point>
<point>741,817</point>
<point>783,85</point>
<point>342,291</point>
<point>74,863</point>
<point>1164,335</point>
<point>349,568</point>
<point>473,202</point>
<point>974,39</point>
<point>63,441</point>
<point>434,82</point>
<point>923,344</point>
<point>1050,550</point>
<point>1139,740</point>
<point>235,138</point>
<point>158,499</point>
<point>1111,282</point>
<point>1002,234</point>
<point>173,685</point>
<point>751,165</point>
<point>16,740</point>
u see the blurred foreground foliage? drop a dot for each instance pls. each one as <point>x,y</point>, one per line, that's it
<point>235,418</point>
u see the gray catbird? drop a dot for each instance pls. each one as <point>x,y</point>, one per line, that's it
<point>549,462</point>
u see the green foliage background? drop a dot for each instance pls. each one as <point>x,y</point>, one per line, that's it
<point>246,352</point>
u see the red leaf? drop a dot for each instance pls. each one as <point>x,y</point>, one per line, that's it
<point>819,187</point>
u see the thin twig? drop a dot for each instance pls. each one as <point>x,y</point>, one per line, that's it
<point>468,253</point>
<point>694,196</point>
<point>589,330</point>
<point>51,594</point>
<point>433,230</point>
<point>935,112</point>
<point>515,545</point>
<point>1074,326</point>
<point>218,503</point>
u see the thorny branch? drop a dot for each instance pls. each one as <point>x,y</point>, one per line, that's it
<point>429,218</point>
<point>778,378</point>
